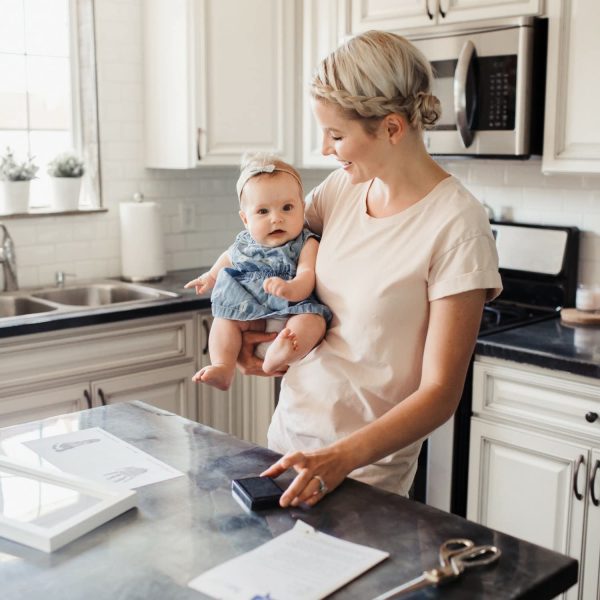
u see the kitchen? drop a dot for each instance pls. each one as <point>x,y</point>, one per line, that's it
<point>199,207</point>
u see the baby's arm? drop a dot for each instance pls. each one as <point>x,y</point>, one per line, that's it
<point>207,280</point>
<point>303,283</point>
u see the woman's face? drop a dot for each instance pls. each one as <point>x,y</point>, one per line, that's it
<point>362,155</point>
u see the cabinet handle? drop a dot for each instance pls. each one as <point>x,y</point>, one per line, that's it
<point>101,396</point>
<point>595,470</point>
<point>443,12</point>
<point>206,334</point>
<point>429,13</point>
<point>591,417</point>
<point>199,132</point>
<point>580,461</point>
<point>88,398</point>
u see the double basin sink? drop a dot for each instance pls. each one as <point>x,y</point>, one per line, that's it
<point>77,297</point>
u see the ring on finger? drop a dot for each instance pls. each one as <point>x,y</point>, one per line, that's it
<point>323,489</point>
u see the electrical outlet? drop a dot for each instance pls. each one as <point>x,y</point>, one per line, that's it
<point>187,213</point>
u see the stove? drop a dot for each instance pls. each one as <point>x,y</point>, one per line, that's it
<point>538,265</point>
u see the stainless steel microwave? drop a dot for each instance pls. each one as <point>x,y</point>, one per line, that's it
<point>490,79</point>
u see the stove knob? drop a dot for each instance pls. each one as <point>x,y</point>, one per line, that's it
<point>591,417</point>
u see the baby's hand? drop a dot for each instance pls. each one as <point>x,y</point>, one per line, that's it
<point>202,284</point>
<point>276,286</point>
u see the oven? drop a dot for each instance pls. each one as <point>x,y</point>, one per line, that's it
<point>538,265</point>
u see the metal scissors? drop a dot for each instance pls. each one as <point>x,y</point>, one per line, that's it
<point>456,555</point>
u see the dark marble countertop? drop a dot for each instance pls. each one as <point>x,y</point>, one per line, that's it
<point>184,526</point>
<point>549,344</point>
<point>80,317</point>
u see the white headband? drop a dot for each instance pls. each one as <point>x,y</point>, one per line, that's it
<point>251,171</point>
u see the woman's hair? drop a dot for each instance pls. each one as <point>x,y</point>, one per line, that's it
<point>375,74</point>
<point>262,163</point>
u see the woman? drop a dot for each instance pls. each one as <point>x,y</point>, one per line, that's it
<point>406,262</point>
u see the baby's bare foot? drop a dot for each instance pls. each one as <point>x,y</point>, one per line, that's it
<point>218,376</point>
<point>281,352</point>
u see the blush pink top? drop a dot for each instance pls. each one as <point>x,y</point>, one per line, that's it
<point>378,276</point>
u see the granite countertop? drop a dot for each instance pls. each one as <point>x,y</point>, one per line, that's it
<point>549,344</point>
<point>184,526</point>
<point>52,321</point>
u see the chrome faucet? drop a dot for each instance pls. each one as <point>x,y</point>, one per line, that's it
<point>8,258</point>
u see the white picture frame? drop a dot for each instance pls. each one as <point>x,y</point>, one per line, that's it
<point>47,509</point>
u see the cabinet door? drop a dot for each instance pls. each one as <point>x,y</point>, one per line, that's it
<point>169,388</point>
<point>245,79</point>
<point>43,403</point>
<point>591,561</point>
<point>325,24</point>
<point>525,484</point>
<point>571,141</point>
<point>454,11</point>
<point>245,409</point>
<point>392,14</point>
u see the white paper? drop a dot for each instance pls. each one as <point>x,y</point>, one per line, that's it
<point>100,456</point>
<point>301,564</point>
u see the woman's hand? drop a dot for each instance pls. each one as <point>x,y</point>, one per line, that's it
<point>202,284</point>
<point>319,472</point>
<point>247,362</point>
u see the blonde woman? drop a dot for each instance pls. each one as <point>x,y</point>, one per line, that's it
<point>407,260</point>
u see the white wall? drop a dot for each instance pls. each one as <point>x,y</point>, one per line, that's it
<point>89,245</point>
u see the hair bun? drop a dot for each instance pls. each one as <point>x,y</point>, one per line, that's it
<point>427,109</point>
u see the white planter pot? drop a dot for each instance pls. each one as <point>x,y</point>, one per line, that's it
<point>65,193</point>
<point>14,196</point>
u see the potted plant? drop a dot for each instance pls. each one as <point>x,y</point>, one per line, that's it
<point>66,171</point>
<point>15,179</point>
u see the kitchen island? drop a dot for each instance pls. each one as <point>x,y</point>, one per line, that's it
<point>183,527</point>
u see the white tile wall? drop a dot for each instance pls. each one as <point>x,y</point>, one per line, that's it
<point>88,246</point>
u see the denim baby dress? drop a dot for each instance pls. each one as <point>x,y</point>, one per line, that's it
<point>238,293</point>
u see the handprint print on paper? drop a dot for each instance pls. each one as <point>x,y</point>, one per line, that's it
<point>62,446</point>
<point>124,474</point>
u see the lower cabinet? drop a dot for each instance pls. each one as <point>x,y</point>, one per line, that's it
<point>535,462</point>
<point>245,409</point>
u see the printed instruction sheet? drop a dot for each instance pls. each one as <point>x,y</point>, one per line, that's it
<point>301,564</point>
<point>100,456</point>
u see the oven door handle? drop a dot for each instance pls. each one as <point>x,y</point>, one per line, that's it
<point>461,76</point>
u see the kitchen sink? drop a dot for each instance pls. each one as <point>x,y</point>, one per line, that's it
<point>101,294</point>
<point>17,306</point>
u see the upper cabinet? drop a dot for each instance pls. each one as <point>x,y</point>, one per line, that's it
<point>399,15</point>
<point>571,133</point>
<point>219,81</point>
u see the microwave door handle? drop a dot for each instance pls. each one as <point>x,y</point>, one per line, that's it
<point>461,74</point>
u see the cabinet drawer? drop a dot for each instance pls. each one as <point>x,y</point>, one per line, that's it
<point>39,357</point>
<point>529,395</point>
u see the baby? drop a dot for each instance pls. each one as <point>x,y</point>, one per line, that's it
<point>265,281</point>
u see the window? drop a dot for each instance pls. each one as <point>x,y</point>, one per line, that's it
<point>41,108</point>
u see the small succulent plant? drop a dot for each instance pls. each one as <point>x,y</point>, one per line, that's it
<point>11,170</point>
<point>66,164</point>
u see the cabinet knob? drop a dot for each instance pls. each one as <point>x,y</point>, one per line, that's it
<point>591,417</point>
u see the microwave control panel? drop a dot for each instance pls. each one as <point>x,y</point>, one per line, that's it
<point>497,83</point>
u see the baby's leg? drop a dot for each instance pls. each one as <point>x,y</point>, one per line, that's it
<point>224,343</point>
<point>302,333</point>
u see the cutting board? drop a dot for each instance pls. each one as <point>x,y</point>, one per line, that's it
<point>572,316</point>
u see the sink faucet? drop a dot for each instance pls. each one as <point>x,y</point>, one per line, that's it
<point>8,259</point>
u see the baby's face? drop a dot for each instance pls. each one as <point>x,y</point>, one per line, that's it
<point>272,209</point>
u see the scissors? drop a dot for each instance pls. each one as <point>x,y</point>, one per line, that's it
<point>456,555</point>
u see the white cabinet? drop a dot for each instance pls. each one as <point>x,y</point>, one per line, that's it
<point>535,440</point>
<point>47,374</point>
<point>571,133</point>
<point>325,25</point>
<point>245,409</point>
<point>399,15</point>
<point>219,79</point>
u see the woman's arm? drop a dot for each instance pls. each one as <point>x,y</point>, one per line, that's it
<point>207,280</point>
<point>301,286</point>
<point>453,325</point>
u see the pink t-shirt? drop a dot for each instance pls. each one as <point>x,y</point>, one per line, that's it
<point>378,276</point>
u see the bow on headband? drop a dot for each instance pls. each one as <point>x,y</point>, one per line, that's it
<point>251,171</point>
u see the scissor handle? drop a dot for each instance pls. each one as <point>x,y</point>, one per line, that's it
<point>460,554</point>
<point>452,547</point>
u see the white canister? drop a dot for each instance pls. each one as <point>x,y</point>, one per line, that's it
<point>64,193</point>
<point>587,297</point>
<point>14,196</point>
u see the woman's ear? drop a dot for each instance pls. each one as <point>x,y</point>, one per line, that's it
<point>244,218</point>
<point>395,127</point>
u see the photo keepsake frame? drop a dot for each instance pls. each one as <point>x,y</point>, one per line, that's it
<point>46,509</point>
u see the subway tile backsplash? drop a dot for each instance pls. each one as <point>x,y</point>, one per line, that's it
<point>199,207</point>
